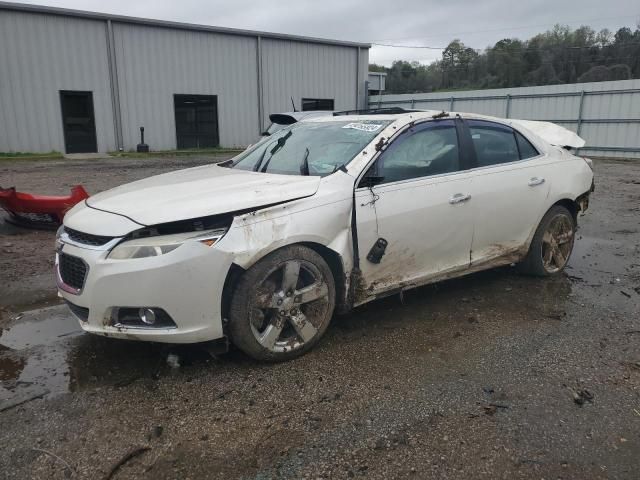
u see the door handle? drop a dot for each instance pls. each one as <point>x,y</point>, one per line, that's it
<point>534,181</point>
<point>459,198</point>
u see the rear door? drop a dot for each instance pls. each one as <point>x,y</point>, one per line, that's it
<point>510,187</point>
<point>419,209</point>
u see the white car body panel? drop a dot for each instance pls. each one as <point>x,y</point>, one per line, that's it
<point>419,223</point>
<point>429,238</point>
<point>505,199</point>
<point>550,132</point>
<point>200,191</point>
<point>155,282</point>
<point>322,219</point>
<point>85,219</point>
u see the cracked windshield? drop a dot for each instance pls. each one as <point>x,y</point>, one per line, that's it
<point>313,148</point>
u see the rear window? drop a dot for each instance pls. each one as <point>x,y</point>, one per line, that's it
<point>526,149</point>
<point>496,143</point>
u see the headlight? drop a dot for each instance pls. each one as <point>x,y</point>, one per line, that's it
<point>155,246</point>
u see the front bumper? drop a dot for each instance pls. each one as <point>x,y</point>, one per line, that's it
<point>186,283</point>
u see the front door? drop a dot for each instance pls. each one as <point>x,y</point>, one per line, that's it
<point>420,208</point>
<point>78,122</point>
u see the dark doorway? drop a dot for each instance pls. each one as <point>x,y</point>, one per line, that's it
<point>78,122</point>
<point>196,121</point>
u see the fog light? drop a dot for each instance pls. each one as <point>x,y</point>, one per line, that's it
<point>141,317</point>
<point>147,316</point>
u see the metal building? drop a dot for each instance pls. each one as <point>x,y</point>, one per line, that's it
<point>74,81</point>
<point>377,83</point>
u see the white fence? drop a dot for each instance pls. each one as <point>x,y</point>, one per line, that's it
<point>605,114</point>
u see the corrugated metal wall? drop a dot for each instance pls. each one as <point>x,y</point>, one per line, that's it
<point>299,70</point>
<point>156,63</point>
<point>43,53</point>
<point>607,115</point>
<point>39,56</point>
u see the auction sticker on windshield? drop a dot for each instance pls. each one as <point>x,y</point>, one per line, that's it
<point>365,127</point>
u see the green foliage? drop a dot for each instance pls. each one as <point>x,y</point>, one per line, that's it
<point>559,55</point>
<point>178,153</point>
<point>30,155</point>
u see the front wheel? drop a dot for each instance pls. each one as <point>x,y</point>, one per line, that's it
<point>552,243</point>
<point>282,305</point>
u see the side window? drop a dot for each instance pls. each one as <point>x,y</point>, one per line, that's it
<point>426,149</point>
<point>524,146</point>
<point>494,143</point>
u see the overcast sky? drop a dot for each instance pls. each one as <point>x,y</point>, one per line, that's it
<point>478,23</point>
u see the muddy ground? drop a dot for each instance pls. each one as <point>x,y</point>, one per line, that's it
<point>494,375</point>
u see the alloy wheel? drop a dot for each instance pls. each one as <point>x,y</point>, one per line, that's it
<point>557,243</point>
<point>289,306</point>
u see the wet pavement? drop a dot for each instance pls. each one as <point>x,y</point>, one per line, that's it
<point>33,354</point>
<point>495,375</point>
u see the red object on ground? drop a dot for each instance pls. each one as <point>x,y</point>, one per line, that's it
<point>39,209</point>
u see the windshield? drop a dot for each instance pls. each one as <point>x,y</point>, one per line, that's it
<point>310,148</point>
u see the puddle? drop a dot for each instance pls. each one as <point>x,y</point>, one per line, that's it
<point>599,259</point>
<point>44,326</point>
<point>45,352</point>
<point>33,355</point>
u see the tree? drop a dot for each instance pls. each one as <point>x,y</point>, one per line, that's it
<point>599,73</point>
<point>620,72</point>
<point>559,55</point>
<point>456,59</point>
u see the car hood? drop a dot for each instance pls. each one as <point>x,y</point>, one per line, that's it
<point>199,192</point>
<point>552,133</point>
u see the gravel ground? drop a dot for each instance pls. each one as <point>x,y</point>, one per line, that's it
<point>494,375</point>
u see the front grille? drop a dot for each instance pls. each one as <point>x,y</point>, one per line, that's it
<point>87,238</point>
<point>72,270</point>
<point>81,312</point>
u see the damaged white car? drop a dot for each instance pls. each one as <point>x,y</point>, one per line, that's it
<point>318,218</point>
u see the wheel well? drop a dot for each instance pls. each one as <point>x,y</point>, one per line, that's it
<point>233,275</point>
<point>334,261</point>
<point>570,205</point>
<point>332,258</point>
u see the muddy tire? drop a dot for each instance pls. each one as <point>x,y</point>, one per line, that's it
<point>282,305</point>
<point>552,244</point>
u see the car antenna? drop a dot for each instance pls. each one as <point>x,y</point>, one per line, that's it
<point>442,114</point>
<point>293,105</point>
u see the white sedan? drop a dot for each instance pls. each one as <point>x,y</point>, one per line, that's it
<point>318,218</point>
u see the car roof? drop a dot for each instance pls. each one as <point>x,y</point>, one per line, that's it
<point>549,132</point>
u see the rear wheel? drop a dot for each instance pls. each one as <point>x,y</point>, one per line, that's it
<point>282,305</point>
<point>552,243</point>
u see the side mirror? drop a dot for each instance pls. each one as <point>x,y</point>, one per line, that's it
<point>265,133</point>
